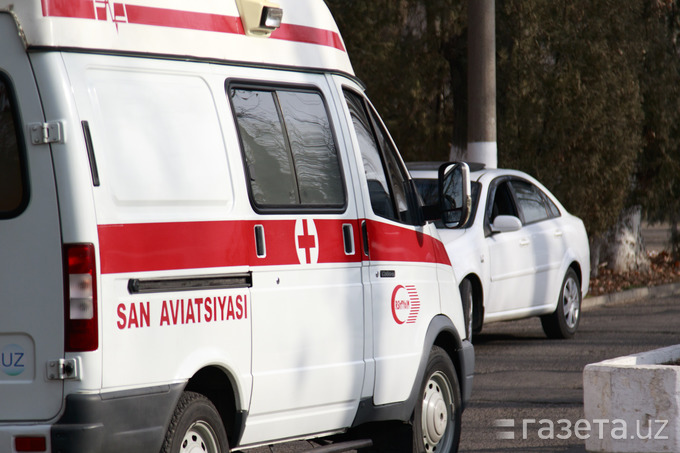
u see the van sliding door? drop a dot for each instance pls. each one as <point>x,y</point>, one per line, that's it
<point>307,294</point>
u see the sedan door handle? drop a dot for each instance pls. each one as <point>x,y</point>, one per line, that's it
<point>524,242</point>
<point>558,233</point>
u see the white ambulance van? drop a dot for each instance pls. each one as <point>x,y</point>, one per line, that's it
<point>208,240</point>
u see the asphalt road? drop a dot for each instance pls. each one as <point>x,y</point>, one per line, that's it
<point>524,379</point>
<point>521,376</point>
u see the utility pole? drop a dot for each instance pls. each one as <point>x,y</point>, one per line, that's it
<point>482,146</point>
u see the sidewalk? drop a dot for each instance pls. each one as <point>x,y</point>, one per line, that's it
<point>630,295</point>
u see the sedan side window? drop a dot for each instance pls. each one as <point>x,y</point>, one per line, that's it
<point>503,202</point>
<point>532,202</point>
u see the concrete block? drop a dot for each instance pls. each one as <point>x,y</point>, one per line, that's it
<point>633,403</point>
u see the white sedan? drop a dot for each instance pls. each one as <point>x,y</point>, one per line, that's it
<point>520,254</point>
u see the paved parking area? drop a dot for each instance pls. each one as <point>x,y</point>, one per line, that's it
<point>521,376</point>
<point>524,380</point>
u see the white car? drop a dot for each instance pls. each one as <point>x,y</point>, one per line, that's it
<point>520,254</point>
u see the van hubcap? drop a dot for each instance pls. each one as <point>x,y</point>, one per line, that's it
<point>199,438</point>
<point>436,404</point>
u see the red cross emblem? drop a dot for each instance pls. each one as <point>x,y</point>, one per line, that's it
<point>306,241</point>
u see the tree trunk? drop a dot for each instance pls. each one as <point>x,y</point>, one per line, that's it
<point>675,238</point>
<point>622,248</point>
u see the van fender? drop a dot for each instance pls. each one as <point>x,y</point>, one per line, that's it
<point>440,332</point>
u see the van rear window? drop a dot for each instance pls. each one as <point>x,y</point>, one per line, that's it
<point>289,148</point>
<point>13,191</point>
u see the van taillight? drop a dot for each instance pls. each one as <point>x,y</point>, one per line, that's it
<point>81,298</point>
<point>30,444</point>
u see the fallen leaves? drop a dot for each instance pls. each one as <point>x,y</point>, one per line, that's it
<point>664,269</point>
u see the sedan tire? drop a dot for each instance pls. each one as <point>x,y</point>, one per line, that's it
<point>564,321</point>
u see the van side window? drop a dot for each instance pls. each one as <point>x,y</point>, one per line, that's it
<point>13,190</point>
<point>386,177</point>
<point>290,152</point>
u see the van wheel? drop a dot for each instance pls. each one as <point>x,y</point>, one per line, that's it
<point>437,416</point>
<point>195,427</point>
<point>564,321</point>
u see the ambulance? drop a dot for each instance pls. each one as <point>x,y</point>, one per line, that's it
<point>208,240</point>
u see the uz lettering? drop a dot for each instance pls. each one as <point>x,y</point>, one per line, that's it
<point>12,359</point>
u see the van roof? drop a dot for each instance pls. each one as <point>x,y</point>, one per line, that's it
<point>198,29</point>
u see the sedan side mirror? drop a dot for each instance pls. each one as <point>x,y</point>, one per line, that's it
<point>455,198</point>
<point>506,224</point>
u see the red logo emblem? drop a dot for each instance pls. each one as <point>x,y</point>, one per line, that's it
<point>110,10</point>
<point>405,304</point>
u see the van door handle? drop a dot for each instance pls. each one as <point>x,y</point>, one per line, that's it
<point>558,233</point>
<point>348,238</point>
<point>260,244</point>
<point>524,242</point>
<point>364,237</point>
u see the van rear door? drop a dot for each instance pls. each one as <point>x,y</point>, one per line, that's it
<point>31,277</point>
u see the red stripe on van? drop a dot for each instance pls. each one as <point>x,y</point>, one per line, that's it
<point>195,245</point>
<point>301,33</point>
<point>190,20</point>
<point>147,247</point>
<point>146,15</point>
<point>393,243</point>
<point>80,9</point>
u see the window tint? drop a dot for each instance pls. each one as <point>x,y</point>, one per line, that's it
<point>387,180</point>
<point>503,203</point>
<point>13,190</point>
<point>289,148</point>
<point>531,201</point>
<point>428,189</point>
<point>398,179</point>
<point>552,208</point>
<point>378,188</point>
<point>314,154</point>
<point>270,165</point>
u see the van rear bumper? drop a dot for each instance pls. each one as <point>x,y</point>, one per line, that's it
<point>130,421</point>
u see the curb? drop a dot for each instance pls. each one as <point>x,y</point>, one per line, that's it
<point>670,289</point>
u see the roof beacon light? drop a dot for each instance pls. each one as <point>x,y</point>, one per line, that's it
<point>259,17</point>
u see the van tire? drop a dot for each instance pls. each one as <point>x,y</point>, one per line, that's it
<point>437,415</point>
<point>195,421</point>
<point>564,321</point>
